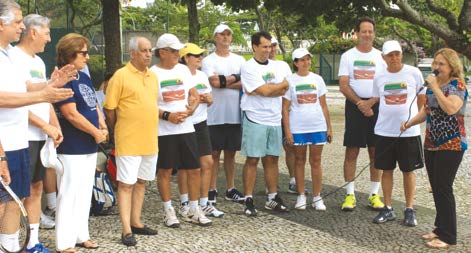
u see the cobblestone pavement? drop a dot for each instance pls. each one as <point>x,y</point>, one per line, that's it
<point>296,231</point>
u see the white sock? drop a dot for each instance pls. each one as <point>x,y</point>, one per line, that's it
<point>248,196</point>
<point>51,200</point>
<point>271,196</point>
<point>183,198</point>
<point>193,204</point>
<point>316,198</point>
<point>350,187</point>
<point>34,238</point>
<point>167,205</point>
<point>10,241</point>
<point>375,187</point>
<point>292,180</point>
<point>204,201</point>
<point>230,189</point>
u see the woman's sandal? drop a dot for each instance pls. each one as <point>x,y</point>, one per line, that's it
<point>88,244</point>
<point>429,236</point>
<point>437,244</point>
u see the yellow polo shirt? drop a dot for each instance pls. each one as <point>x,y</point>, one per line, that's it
<point>134,97</point>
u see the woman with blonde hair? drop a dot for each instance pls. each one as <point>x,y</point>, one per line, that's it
<point>445,140</point>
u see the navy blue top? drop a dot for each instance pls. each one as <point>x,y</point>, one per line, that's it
<point>77,142</point>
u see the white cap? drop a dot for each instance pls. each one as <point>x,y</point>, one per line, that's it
<point>300,53</point>
<point>391,46</point>
<point>48,155</point>
<point>274,40</point>
<point>168,40</point>
<point>221,28</point>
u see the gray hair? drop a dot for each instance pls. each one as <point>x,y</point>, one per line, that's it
<point>35,21</point>
<point>6,10</point>
<point>134,43</point>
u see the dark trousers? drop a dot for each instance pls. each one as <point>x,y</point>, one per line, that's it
<point>441,168</point>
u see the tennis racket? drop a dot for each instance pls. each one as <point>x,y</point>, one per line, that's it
<point>13,219</point>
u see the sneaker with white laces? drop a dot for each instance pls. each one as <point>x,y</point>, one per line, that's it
<point>197,217</point>
<point>38,248</point>
<point>212,196</point>
<point>276,204</point>
<point>300,202</point>
<point>45,222</point>
<point>409,217</point>
<point>183,210</point>
<point>318,204</point>
<point>249,208</point>
<point>387,214</point>
<point>211,211</point>
<point>170,218</point>
<point>235,196</point>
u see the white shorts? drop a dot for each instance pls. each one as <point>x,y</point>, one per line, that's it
<point>130,168</point>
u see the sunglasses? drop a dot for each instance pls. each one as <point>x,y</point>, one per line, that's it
<point>83,53</point>
<point>196,55</point>
<point>171,50</point>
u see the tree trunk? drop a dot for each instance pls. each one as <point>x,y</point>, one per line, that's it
<point>111,31</point>
<point>193,23</point>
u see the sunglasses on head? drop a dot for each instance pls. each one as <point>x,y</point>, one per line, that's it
<point>195,55</point>
<point>83,53</point>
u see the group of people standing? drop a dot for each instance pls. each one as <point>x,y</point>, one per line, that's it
<point>174,116</point>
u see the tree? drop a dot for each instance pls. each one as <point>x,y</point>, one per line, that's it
<point>111,24</point>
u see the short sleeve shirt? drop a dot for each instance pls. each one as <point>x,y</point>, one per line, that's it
<point>203,87</point>
<point>133,95</point>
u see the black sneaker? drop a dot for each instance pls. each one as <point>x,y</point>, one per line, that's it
<point>387,214</point>
<point>235,196</point>
<point>409,217</point>
<point>276,204</point>
<point>212,195</point>
<point>128,239</point>
<point>249,209</point>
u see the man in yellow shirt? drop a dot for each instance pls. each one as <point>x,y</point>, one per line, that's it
<point>132,112</point>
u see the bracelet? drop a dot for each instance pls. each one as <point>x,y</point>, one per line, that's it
<point>222,81</point>
<point>3,158</point>
<point>165,115</point>
<point>237,77</point>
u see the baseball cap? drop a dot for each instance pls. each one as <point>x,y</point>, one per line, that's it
<point>391,46</point>
<point>191,48</point>
<point>221,28</point>
<point>300,53</point>
<point>168,40</point>
<point>274,40</point>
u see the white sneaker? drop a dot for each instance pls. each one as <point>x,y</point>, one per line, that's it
<point>300,202</point>
<point>170,218</point>
<point>211,211</point>
<point>183,211</point>
<point>197,217</point>
<point>46,222</point>
<point>318,204</point>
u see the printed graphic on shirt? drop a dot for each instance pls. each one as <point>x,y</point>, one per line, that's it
<point>202,88</point>
<point>395,93</point>
<point>306,93</point>
<point>36,74</point>
<point>172,90</point>
<point>363,70</point>
<point>269,77</point>
<point>88,95</point>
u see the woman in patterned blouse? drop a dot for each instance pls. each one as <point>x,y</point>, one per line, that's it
<point>445,140</point>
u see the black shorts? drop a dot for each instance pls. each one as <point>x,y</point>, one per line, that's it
<point>36,168</point>
<point>226,137</point>
<point>178,151</point>
<point>202,139</point>
<point>359,130</point>
<point>406,151</point>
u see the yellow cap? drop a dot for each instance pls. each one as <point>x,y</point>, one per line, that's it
<point>191,48</point>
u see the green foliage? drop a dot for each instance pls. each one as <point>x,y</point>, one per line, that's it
<point>333,44</point>
<point>96,66</point>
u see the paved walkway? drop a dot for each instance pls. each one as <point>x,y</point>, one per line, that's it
<point>296,231</point>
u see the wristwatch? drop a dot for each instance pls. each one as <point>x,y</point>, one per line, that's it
<point>3,158</point>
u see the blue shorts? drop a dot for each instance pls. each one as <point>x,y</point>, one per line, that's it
<point>18,164</point>
<point>316,138</point>
<point>260,140</point>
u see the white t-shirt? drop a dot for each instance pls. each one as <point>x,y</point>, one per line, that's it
<point>173,97</point>
<point>37,73</point>
<point>396,92</point>
<point>13,121</point>
<point>361,69</point>
<point>306,115</point>
<point>282,70</point>
<point>203,87</point>
<point>260,109</point>
<point>225,108</point>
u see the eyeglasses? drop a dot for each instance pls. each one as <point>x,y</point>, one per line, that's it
<point>171,50</point>
<point>196,55</point>
<point>83,53</point>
